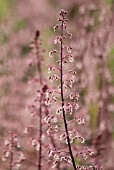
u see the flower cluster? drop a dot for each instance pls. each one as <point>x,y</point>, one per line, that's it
<point>50,97</point>
<point>53,77</point>
<point>50,118</point>
<point>52,52</point>
<point>59,156</point>
<point>13,151</point>
<point>39,109</point>
<point>53,128</point>
<point>73,135</point>
<point>66,103</point>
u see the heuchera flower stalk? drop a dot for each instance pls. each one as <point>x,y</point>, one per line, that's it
<point>12,145</point>
<point>39,109</point>
<point>64,84</point>
<point>63,26</point>
<point>63,129</point>
<point>36,109</point>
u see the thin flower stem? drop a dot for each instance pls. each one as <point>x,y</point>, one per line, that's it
<point>39,69</point>
<point>66,56</point>
<point>51,138</point>
<point>38,57</point>
<point>62,98</point>
<point>11,155</point>
<point>40,135</point>
<point>70,121</point>
<point>57,92</point>
<point>58,68</point>
<point>54,145</point>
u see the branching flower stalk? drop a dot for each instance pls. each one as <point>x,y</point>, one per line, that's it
<point>39,109</point>
<point>36,42</point>
<point>38,57</point>
<point>62,122</point>
<point>63,22</point>
<point>51,138</point>
<point>65,84</point>
<point>12,145</point>
<point>44,88</point>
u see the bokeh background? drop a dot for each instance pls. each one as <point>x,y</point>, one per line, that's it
<point>91,23</point>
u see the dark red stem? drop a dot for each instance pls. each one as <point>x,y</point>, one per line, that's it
<point>62,99</point>
<point>38,57</point>
<point>11,155</point>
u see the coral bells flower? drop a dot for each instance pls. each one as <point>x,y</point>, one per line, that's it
<point>50,69</point>
<point>52,52</point>
<point>66,104</point>
<point>72,72</point>
<point>12,150</point>
<point>39,109</point>
<point>74,95</point>
<point>50,97</point>
<point>68,108</point>
<point>7,142</point>
<point>6,155</point>
<point>18,165</point>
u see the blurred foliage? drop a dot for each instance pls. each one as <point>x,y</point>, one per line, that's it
<point>111,63</point>
<point>90,28</point>
<point>19,24</point>
<point>6,88</point>
<point>54,3</point>
<point>3,69</point>
<point>83,93</point>
<point>94,12</point>
<point>2,62</point>
<point>30,72</point>
<point>24,49</point>
<point>5,6</point>
<point>99,79</point>
<point>109,1</point>
<point>3,38</point>
<point>89,141</point>
<point>11,117</point>
<point>47,33</point>
<point>2,131</point>
<point>111,68</point>
<point>113,131</point>
<point>73,11</point>
<point>78,161</point>
<point>111,53</point>
<point>92,108</point>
